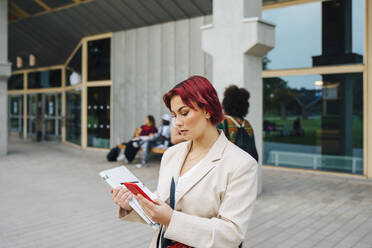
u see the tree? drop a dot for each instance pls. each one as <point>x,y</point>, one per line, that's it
<point>277,93</point>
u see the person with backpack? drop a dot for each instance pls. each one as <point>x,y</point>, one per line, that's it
<point>238,130</point>
<point>132,147</point>
<point>161,139</point>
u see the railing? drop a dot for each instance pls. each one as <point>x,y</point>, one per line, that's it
<point>314,161</point>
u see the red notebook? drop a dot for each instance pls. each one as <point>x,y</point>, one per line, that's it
<point>135,189</point>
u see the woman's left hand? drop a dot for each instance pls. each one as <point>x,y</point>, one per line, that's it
<point>161,213</point>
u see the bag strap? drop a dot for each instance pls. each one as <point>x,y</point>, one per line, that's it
<point>226,129</point>
<point>172,197</point>
<point>235,122</point>
<point>172,194</point>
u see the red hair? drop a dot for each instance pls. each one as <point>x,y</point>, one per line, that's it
<point>197,90</point>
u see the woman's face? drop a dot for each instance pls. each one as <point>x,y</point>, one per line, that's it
<point>190,123</point>
<point>147,121</point>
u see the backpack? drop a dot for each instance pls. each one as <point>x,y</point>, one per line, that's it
<point>113,154</point>
<point>131,149</point>
<point>243,139</point>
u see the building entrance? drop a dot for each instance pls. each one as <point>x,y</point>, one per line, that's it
<point>44,120</point>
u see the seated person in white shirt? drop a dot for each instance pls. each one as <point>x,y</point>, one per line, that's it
<point>161,139</point>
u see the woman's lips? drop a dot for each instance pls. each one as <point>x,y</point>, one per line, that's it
<point>183,132</point>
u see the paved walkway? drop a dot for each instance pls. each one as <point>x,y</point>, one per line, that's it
<point>51,196</point>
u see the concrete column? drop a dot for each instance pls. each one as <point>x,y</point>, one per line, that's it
<point>5,71</point>
<point>237,40</point>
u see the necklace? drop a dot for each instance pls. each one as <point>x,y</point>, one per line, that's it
<point>195,157</point>
<point>192,158</point>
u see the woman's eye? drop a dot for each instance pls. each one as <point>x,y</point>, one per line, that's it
<point>184,114</point>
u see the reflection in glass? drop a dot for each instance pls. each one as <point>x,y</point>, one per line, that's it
<point>50,127</point>
<point>316,34</point>
<point>99,117</point>
<point>44,116</point>
<point>314,122</point>
<point>51,116</point>
<point>32,115</point>
<point>15,114</point>
<point>99,60</point>
<point>73,69</point>
<point>15,82</point>
<point>73,116</point>
<point>44,79</point>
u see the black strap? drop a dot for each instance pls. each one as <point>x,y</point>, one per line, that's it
<point>226,128</point>
<point>172,195</point>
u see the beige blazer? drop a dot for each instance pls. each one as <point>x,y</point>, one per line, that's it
<point>216,204</point>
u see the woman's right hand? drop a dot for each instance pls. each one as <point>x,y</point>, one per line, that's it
<point>121,197</point>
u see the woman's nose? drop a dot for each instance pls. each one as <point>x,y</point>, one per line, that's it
<point>177,122</point>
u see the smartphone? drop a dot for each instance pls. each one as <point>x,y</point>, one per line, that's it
<point>135,189</point>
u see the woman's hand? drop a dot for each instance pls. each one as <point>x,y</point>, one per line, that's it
<point>161,213</point>
<point>121,197</point>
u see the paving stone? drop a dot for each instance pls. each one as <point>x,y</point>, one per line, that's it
<point>52,196</point>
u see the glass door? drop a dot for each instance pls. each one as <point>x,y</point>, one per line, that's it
<point>15,115</point>
<point>51,116</point>
<point>32,113</point>
<point>44,116</point>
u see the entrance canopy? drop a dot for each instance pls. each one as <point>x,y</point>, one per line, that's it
<point>51,29</point>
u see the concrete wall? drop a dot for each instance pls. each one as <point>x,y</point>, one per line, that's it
<point>4,74</point>
<point>148,62</point>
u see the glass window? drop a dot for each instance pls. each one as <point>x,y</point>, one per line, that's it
<point>316,34</point>
<point>99,117</point>
<point>73,116</point>
<point>15,105</point>
<point>73,69</point>
<point>15,82</point>
<point>99,60</point>
<point>44,79</point>
<point>314,122</point>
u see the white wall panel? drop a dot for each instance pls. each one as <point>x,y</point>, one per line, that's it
<point>196,54</point>
<point>155,92</point>
<point>141,82</point>
<point>168,62</point>
<point>182,50</point>
<point>129,123</point>
<point>148,62</point>
<point>119,87</point>
<point>208,59</point>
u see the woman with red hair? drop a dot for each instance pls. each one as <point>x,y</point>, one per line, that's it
<point>207,185</point>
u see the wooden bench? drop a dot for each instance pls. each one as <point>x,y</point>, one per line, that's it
<point>153,150</point>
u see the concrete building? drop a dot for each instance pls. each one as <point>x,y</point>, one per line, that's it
<point>88,72</point>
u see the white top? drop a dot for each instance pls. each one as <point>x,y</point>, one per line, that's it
<point>183,179</point>
<point>165,131</point>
